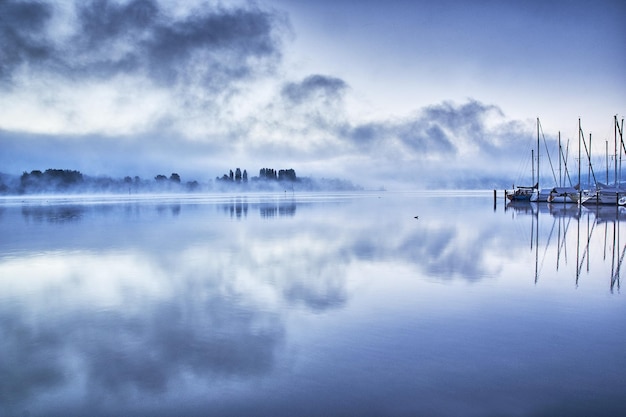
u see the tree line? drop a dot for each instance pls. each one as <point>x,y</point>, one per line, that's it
<point>265,174</point>
<point>73,182</point>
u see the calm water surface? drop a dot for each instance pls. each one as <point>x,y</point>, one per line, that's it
<point>310,305</point>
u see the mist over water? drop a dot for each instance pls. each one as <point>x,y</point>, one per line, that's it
<point>379,303</point>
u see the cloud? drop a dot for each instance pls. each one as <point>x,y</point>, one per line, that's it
<point>22,37</point>
<point>314,87</point>
<point>467,144</point>
<point>116,85</point>
<point>211,46</point>
<point>131,67</point>
<point>438,129</point>
<point>474,138</point>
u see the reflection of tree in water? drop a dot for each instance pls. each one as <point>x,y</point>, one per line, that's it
<point>53,214</point>
<point>278,208</point>
<point>237,207</point>
<point>267,209</point>
<point>173,208</point>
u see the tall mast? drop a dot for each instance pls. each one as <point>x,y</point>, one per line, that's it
<point>560,152</point>
<point>606,146</point>
<point>581,136</point>
<point>615,139</point>
<point>532,162</point>
<point>621,139</point>
<point>537,156</point>
<point>580,161</point>
<point>589,158</point>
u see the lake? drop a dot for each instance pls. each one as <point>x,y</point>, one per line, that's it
<point>287,304</point>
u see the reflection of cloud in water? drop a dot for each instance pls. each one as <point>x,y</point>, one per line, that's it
<point>132,307</point>
<point>126,328</point>
<point>319,284</point>
<point>29,358</point>
<point>155,351</point>
<point>448,252</point>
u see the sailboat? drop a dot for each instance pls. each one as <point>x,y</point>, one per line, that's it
<point>521,192</point>
<point>557,194</point>
<point>608,194</point>
<point>562,194</point>
<point>528,193</point>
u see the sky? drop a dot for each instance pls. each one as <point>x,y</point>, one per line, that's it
<point>395,94</point>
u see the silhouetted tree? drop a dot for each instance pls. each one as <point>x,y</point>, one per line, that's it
<point>245,176</point>
<point>238,175</point>
<point>175,178</point>
<point>63,176</point>
<point>50,180</point>
<point>267,173</point>
<point>231,175</point>
<point>160,178</point>
<point>192,185</point>
<point>287,174</point>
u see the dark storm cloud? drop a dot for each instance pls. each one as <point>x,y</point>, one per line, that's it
<point>437,130</point>
<point>211,45</point>
<point>22,38</point>
<point>312,87</point>
<point>468,119</point>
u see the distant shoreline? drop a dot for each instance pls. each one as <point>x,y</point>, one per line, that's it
<point>71,182</point>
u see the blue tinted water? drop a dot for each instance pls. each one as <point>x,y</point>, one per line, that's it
<point>310,304</point>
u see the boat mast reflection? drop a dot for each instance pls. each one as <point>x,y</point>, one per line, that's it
<point>587,236</point>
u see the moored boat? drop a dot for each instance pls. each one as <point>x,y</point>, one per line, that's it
<point>606,195</point>
<point>522,193</point>
<point>564,195</point>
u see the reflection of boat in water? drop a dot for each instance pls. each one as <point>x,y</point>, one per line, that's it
<point>522,206</point>
<point>564,210</point>
<point>608,213</point>
<point>594,232</point>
